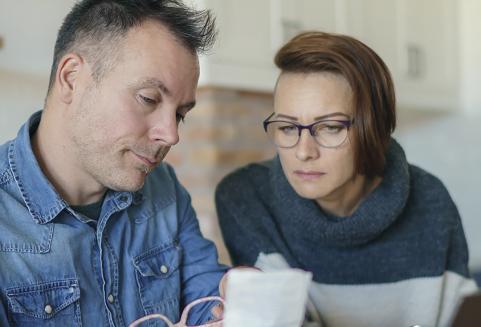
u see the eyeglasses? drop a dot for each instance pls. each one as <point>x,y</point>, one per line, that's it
<point>184,316</point>
<point>328,133</point>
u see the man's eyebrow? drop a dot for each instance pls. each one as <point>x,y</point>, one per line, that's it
<point>153,82</point>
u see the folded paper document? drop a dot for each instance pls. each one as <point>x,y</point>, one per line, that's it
<point>266,299</point>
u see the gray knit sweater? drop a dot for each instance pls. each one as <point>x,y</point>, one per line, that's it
<point>399,260</point>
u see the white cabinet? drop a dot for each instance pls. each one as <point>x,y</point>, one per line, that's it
<point>429,53</point>
<point>375,23</point>
<point>243,55</point>
<point>296,16</point>
<point>416,38</point>
<point>251,32</point>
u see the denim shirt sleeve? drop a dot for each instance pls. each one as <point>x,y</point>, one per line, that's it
<point>146,254</point>
<point>3,313</point>
<point>201,272</point>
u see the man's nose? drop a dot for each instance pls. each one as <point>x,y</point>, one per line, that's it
<point>165,130</point>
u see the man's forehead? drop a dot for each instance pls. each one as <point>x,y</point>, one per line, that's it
<point>157,29</point>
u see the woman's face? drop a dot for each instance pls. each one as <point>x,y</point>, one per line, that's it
<point>315,172</point>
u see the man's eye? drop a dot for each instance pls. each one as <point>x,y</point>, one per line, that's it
<point>147,100</point>
<point>179,117</point>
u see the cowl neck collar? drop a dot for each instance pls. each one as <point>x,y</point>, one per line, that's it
<point>302,220</point>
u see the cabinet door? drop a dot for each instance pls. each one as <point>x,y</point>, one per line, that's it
<point>244,27</point>
<point>303,15</point>
<point>251,32</point>
<point>428,53</point>
<point>417,40</point>
<point>243,54</point>
<point>374,22</point>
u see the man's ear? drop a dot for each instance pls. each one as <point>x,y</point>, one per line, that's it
<point>68,74</point>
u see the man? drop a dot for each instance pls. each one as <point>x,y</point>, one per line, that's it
<point>95,229</point>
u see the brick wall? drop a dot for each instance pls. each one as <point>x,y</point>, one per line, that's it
<point>224,131</point>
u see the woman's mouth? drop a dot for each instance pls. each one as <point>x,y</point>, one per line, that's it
<point>308,174</point>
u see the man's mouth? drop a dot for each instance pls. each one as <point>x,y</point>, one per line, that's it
<point>148,161</point>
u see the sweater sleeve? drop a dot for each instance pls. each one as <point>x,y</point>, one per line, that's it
<point>457,281</point>
<point>458,255</point>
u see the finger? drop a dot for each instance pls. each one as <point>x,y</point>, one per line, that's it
<point>218,311</point>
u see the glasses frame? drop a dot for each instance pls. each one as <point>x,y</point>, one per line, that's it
<point>184,315</point>
<point>347,123</point>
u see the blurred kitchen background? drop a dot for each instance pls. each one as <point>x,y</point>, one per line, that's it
<point>431,46</point>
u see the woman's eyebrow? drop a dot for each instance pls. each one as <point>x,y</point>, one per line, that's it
<point>286,116</point>
<point>331,115</point>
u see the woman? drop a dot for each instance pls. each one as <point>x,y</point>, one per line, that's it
<point>383,238</point>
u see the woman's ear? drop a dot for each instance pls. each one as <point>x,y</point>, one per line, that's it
<point>68,73</point>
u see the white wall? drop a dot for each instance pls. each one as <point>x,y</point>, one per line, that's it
<point>447,145</point>
<point>20,96</point>
<point>470,51</point>
<point>29,29</point>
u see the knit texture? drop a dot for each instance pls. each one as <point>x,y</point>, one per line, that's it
<point>407,227</point>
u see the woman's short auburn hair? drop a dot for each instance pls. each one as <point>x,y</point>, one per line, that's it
<point>372,87</point>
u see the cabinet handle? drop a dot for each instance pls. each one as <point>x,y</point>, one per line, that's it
<point>415,61</point>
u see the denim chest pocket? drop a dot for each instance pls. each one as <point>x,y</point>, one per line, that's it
<point>54,303</point>
<point>158,279</point>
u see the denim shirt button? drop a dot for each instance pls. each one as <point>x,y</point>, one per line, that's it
<point>164,269</point>
<point>48,309</point>
<point>110,298</point>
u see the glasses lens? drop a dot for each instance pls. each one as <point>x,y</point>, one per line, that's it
<point>329,133</point>
<point>283,134</point>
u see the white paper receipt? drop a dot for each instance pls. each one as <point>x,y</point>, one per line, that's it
<point>266,299</point>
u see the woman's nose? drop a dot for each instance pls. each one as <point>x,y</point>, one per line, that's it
<point>307,148</point>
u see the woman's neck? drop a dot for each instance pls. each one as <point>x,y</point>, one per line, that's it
<point>344,201</point>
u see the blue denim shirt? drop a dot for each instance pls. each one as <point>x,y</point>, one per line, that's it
<point>58,268</point>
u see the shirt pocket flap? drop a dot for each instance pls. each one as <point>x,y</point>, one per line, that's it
<point>43,300</point>
<point>158,262</point>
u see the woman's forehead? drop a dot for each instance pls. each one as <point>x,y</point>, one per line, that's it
<point>312,96</point>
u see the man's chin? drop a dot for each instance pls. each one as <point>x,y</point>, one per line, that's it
<point>132,185</point>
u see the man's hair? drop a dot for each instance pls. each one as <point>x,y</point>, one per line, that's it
<point>95,29</point>
<point>374,99</point>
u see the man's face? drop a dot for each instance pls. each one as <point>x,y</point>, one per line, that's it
<point>123,126</point>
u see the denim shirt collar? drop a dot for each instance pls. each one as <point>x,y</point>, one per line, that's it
<point>376,213</point>
<point>40,197</point>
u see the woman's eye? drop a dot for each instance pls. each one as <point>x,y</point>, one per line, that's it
<point>287,129</point>
<point>328,129</point>
<point>333,128</point>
